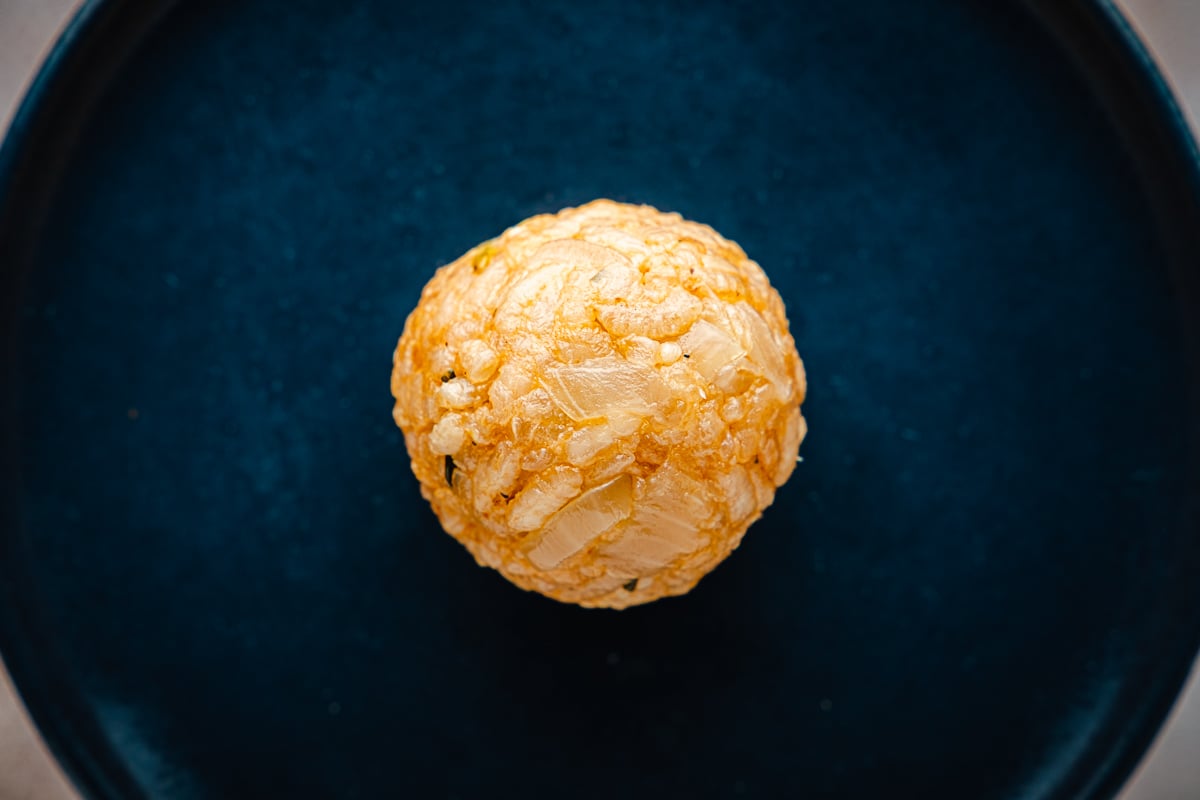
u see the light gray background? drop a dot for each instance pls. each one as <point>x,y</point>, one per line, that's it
<point>1170,772</point>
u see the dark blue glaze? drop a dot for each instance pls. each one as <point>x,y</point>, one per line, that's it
<point>224,583</point>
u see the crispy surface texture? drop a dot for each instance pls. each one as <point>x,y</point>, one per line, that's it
<point>598,403</point>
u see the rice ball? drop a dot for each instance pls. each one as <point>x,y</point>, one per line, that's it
<point>598,403</point>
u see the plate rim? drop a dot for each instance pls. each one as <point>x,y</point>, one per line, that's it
<point>71,733</point>
<point>73,736</point>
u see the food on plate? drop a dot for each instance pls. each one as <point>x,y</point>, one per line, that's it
<point>598,403</point>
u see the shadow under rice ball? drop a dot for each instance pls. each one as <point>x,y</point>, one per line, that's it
<point>598,403</point>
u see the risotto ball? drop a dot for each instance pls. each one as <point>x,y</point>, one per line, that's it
<point>598,403</point>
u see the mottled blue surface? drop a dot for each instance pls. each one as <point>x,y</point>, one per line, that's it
<point>951,596</point>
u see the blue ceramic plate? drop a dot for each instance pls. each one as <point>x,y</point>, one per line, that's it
<point>218,580</point>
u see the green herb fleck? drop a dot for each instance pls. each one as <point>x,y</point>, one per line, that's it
<point>449,376</point>
<point>629,586</point>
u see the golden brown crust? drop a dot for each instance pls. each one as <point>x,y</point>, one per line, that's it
<point>599,402</point>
